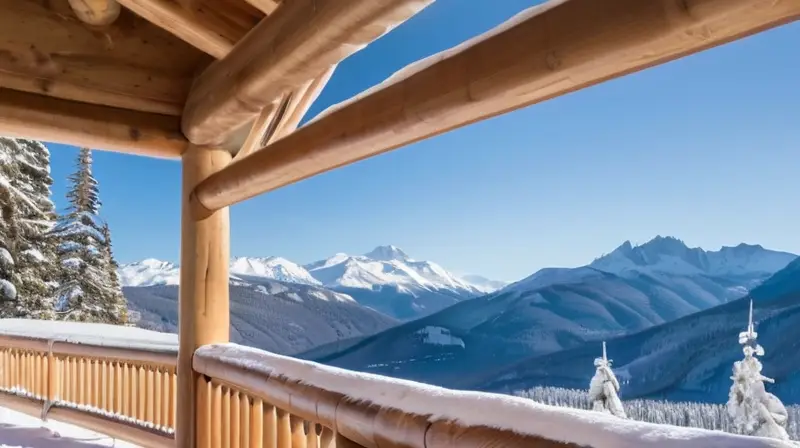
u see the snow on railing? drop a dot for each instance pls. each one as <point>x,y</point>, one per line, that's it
<point>116,386</point>
<point>365,410</point>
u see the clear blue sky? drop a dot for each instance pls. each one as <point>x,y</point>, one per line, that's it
<point>706,149</point>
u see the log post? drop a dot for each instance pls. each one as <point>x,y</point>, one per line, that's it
<point>204,309</point>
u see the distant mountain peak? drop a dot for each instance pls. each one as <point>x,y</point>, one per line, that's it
<point>668,254</point>
<point>387,253</point>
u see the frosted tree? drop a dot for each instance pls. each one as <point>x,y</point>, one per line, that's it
<point>27,251</point>
<point>604,388</point>
<point>87,293</point>
<point>754,411</point>
<point>118,306</point>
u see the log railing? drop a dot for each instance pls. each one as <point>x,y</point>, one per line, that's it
<point>129,393</point>
<point>248,398</point>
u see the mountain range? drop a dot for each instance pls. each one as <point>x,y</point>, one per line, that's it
<point>631,289</point>
<point>385,279</point>
<point>688,359</point>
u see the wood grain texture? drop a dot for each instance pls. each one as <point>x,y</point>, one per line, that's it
<point>129,64</point>
<point>199,27</point>
<point>265,6</point>
<point>302,99</point>
<point>204,304</point>
<point>39,117</point>
<point>552,50</point>
<point>295,44</point>
<point>96,12</point>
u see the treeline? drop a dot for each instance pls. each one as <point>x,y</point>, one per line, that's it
<point>54,266</point>
<point>687,414</point>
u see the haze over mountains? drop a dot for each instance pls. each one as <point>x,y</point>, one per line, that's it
<point>385,279</point>
<point>555,309</point>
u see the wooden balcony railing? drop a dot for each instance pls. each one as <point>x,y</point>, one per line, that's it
<point>248,398</point>
<point>127,393</point>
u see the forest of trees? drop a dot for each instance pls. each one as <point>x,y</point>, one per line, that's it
<point>54,266</point>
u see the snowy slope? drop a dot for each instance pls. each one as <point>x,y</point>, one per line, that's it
<point>687,359</point>
<point>18,430</point>
<point>270,315</point>
<point>387,279</point>
<point>149,272</point>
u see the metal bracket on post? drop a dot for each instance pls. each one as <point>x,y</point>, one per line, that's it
<point>48,400</point>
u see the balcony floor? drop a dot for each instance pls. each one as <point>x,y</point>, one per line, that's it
<point>19,430</point>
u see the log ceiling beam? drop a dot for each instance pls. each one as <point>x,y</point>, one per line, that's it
<point>96,12</point>
<point>550,50</point>
<point>302,39</point>
<point>39,117</point>
<point>265,6</point>
<point>198,27</point>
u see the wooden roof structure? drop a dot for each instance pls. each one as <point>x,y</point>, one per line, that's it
<point>223,84</point>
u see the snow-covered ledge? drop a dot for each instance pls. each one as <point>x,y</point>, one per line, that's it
<point>99,335</point>
<point>417,413</point>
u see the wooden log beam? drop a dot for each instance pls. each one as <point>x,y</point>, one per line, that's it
<point>197,26</point>
<point>96,12</point>
<point>301,102</point>
<point>204,306</point>
<point>302,39</point>
<point>265,6</point>
<point>547,51</point>
<point>39,117</point>
<point>129,64</point>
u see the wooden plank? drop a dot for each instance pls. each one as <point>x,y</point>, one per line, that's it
<point>296,43</point>
<point>197,27</point>
<point>53,120</point>
<point>129,64</point>
<point>547,51</point>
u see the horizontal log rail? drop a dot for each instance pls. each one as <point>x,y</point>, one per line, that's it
<point>547,51</point>
<point>269,400</point>
<point>128,393</point>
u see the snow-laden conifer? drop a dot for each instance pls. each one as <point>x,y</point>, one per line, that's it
<point>88,291</point>
<point>27,215</point>
<point>754,411</point>
<point>604,388</point>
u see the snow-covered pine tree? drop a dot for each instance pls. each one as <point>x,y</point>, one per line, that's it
<point>118,306</point>
<point>87,292</point>
<point>28,215</point>
<point>754,411</point>
<point>604,388</point>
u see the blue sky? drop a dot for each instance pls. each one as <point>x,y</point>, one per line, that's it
<point>706,148</point>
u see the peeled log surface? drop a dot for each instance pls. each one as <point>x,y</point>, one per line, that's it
<point>96,12</point>
<point>547,51</point>
<point>39,117</point>
<point>296,43</point>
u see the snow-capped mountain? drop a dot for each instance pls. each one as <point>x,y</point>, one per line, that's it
<point>152,272</point>
<point>557,309</point>
<point>484,284</point>
<point>686,359</point>
<point>387,279</point>
<point>149,272</point>
<point>670,255</point>
<point>276,268</point>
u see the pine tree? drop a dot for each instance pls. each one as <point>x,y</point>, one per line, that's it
<point>604,388</point>
<point>755,411</point>
<point>118,310</point>
<point>88,293</point>
<point>28,251</point>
